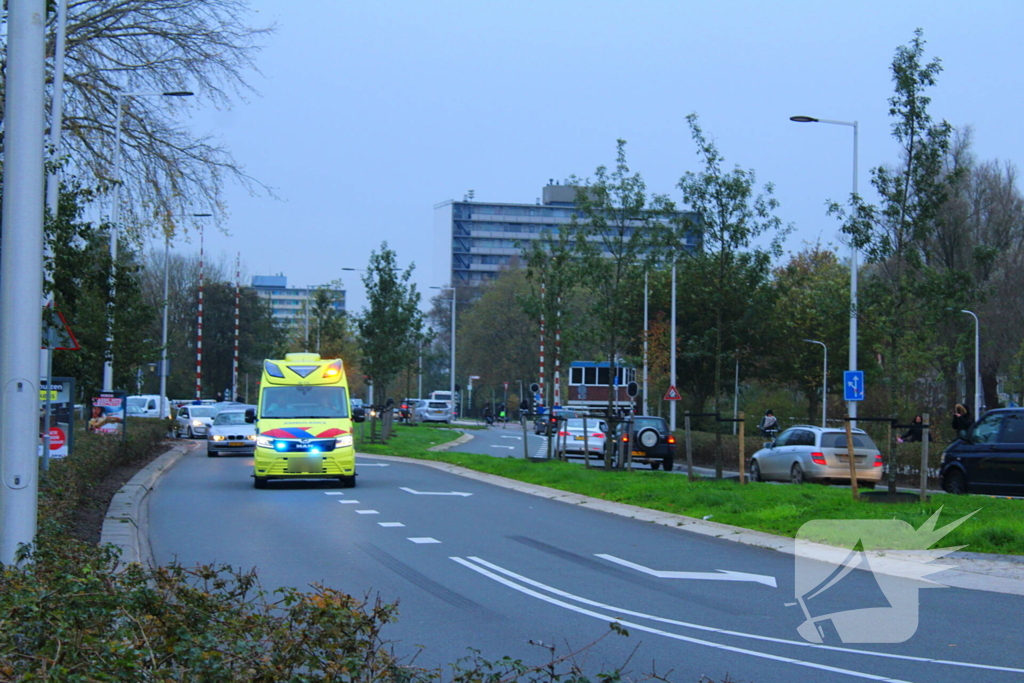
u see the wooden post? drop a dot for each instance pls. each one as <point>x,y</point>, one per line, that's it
<point>924,459</point>
<point>850,456</point>
<point>689,450</point>
<point>743,449</point>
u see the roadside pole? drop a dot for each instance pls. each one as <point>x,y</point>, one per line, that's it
<point>743,449</point>
<point>689,450</point>
<point>924,458</point>
<point>849,452</point>
<point>21,284</point>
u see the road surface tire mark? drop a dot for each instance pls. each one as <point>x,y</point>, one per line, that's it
<point>416,578</point>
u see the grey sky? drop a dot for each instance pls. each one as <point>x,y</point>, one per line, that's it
<point>372,112</point>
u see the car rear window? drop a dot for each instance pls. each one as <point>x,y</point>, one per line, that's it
<point>656,422</point>
<point>437,404</point>
<point>838,440</point>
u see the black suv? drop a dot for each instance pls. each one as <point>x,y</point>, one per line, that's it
<point>988,457</point>
<point>653,443</point>
<point>546,424</point>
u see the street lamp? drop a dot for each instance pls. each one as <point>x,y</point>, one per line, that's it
<point>824,381</point>
<point>977,363</point>
<point>115,217</point>
<point>852,405</point>
<point>164,407</point>
<point>451,379</point>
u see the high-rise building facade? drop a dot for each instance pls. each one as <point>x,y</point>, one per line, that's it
<point>290,305</point>
<point>475,240</point>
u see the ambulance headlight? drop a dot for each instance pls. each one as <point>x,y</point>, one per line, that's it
<point>343,441</point>
<point>264,442</point>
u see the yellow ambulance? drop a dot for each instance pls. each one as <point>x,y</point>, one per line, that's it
<point>304,421</point>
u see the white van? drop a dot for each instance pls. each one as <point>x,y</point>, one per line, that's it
<point>145,405</point>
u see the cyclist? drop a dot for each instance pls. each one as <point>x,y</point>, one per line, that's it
<point>769,425</point>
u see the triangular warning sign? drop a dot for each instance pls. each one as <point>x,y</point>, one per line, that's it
<point>57,333</point>
<point>672,395</point>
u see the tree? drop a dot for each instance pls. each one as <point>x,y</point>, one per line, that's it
<point>391,327</point>
<point>731,218</point>
<point>615,232</point>
<point>80,265</point>
<point>152,46</point>
<point>910,295</point>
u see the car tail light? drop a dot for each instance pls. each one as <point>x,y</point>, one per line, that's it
<point>818,458</point>
<point>598,435</point>
<point>878,460</point>
<point>563,433</point>
<point>625,438</point>
<point>671,438</point>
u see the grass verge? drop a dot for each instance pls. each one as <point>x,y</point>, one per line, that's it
<point>998,526</point>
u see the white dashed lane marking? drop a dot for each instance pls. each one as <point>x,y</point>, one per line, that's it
<point>424,539</point>
<point>349,502</point>
<point>390,524</point>
<point>333,493</point>
<point>367,512</point>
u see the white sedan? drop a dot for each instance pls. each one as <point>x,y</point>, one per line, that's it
<point>573,437</point>
<point>230,434</point>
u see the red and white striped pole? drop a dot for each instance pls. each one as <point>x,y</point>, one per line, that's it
<point>558,353</point>
<point>543,396</point>
<point>234,360</point>
<point>199,328</point>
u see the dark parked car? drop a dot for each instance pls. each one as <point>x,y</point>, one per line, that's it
<point>653,443</point>
<point>545,424</point>
<point>988,457</point>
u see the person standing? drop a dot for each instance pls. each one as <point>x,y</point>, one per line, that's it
<point>769,425</point>
<point>488,414</point>
<point>961,419</point>
<point>916,432</point>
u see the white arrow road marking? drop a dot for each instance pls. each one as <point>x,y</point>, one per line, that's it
<point>390,524</point>
<point>434,493</point>
<point>424,539</point>
<point>485,566</point>
<point>723,575</point>
<point>506,436</point>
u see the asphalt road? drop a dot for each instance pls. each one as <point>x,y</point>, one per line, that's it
<point>497,569</point>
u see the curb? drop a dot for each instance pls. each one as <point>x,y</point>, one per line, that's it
<point>126,525</point>
<point>974,573</point>
<point>440,448</point>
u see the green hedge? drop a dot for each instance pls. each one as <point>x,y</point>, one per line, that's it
<point>65,487</point>
<point>703,446</point>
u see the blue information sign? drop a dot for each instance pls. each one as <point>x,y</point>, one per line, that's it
<point>853,385</point>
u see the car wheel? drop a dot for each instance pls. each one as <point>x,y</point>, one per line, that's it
<point>955,482</point>
<point>796,475</point>
<point>191,434</point>
<point>655,465</point>
<point>668,463</point>
<point>755,471</point>
<point>347,482</point>
<point>648,437</point>
<point>259,482</point>
<point>210,454</point>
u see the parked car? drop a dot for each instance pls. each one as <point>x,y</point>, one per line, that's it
<point>574,437</point>
<point>230,434</point>
<point>193,420</point>
<point>653,443</point>
<point>546,423</point>
<point>434,411</point>
<point>988,457</point>
<point>144,405</point>
<point>808,453</point>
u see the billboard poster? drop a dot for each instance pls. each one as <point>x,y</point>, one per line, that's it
<point>108,412</point>
<point>59,393</point>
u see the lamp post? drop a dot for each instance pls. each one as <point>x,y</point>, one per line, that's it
<point>164,370</point>
<point>852,405</point>
<point>451,379</point>
<point>824,382</point>
<point>115,217</point>
<point>977,363</point>
<point>647,332</point>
